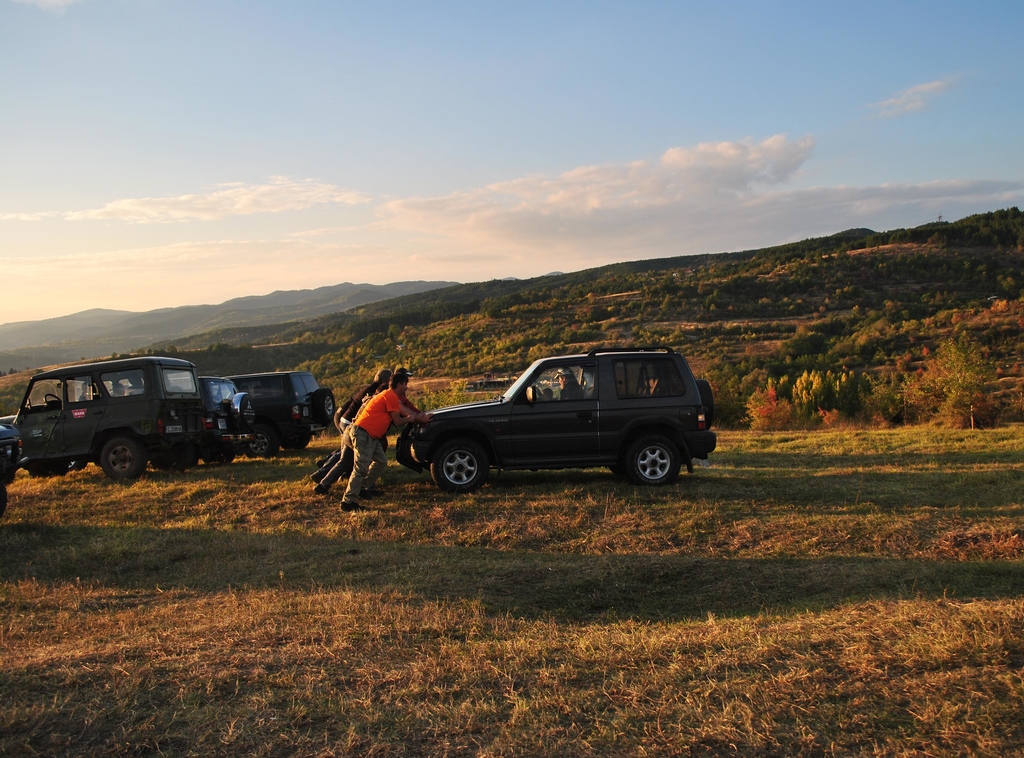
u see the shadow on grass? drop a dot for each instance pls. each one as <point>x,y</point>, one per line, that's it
<point>528,585</point>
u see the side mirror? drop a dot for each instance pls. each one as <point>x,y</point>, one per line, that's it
<point>531,394</point>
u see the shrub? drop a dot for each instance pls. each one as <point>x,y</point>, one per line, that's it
<point>768,412</point>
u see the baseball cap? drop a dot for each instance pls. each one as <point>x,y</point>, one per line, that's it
<point>403,371</point>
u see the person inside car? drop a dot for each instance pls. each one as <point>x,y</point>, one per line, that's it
<point>569,388</point>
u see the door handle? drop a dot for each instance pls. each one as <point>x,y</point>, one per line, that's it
<point>584,414</point>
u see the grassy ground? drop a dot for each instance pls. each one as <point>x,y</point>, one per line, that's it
<point>828,593</point>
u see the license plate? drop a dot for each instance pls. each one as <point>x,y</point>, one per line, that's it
<point>174,429</point>
<point>305,411</point>
<point>222,423</point>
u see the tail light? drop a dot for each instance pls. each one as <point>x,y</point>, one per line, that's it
<point>159,426</point>
<point>701,421</point>
<point>295,413</point>
<point>208,422</point>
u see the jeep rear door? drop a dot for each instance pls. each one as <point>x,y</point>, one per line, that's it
<point>82,414</point>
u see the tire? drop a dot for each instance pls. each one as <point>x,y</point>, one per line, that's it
<point>180,458</point>
<point>298,443</point>
<point>123,458</point>
<point>459,465</point>
<point>652,460</point>
<point>46,469</point>
<point>242,411</point>
<point>707,399</point>
<point>266,443</point>
<point>323,406</point>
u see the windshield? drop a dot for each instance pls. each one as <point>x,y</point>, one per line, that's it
<point>517,385</point>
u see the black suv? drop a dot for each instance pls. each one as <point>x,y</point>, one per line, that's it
<point>638,411</point>
<point>290,407</point>
<point>10,460</point>
<point>227,422</point>
<point>120,414</point>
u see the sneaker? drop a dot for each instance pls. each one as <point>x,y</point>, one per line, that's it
<point>351,507</point>
<point>321,489</point>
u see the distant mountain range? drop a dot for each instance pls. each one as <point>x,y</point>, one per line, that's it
<point>100,332</point>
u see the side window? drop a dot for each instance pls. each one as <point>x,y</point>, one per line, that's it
<point>128,383</point>
<point>179,381</point>
<point>82,389</point>
<point>573,382</point>
<point>46,394</point>
<point>647,378</point>
<point>267,387</point>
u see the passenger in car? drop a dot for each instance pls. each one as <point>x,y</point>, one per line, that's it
<point>569,387</point>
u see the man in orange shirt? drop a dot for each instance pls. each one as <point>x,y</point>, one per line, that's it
<point>370,427</point>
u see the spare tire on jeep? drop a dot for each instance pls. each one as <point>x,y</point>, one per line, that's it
<point>323,406</point>
<point>242,410</point>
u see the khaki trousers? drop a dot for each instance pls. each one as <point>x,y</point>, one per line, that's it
<point>370,460</point>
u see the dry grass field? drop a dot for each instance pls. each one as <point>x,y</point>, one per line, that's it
<point>827,593</point>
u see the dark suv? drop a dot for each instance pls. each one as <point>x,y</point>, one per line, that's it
<point>227,422</point>
<point>10,460</point>
<point>638,411</point>
<point>290,408</point>
<point>120,414</point>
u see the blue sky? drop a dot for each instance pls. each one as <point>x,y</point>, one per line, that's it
<point>166,152</point>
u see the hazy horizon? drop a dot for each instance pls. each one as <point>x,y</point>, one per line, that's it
<point>162,154</point>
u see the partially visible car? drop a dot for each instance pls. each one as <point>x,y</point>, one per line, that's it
<point>119,414</point>
<point>11,459</point>
<point>227,422</point>
<point>290,408</point>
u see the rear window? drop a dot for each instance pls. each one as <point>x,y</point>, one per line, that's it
<point>304,384</point>
<point>179,381</point>
<point>128,383</point>
<point>647,378</point>
<point>219,391</point>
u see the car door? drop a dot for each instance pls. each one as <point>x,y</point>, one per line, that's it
<point>83,410</point>
<point>561,427</point>
<point>39,418</point>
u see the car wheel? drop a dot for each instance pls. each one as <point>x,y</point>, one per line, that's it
<point>47,469</point>
<point>242,410</point>
<point>323,406</point>
<point>123,458</point>
<point>297,443</point>
<point>652,460</point>
<point>266,442</point>
<point>460,465</point>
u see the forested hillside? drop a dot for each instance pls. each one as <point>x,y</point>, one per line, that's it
<point>856,325</point>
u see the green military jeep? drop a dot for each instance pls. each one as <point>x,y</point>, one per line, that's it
<point>118,414</point>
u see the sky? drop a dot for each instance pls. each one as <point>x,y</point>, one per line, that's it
<point>156,153</point>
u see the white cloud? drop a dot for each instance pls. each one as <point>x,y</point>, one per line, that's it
<point>57,6</point>
<point>710,197</point>
<point>278,194</point>
<point>27,216</point>
<point>911,99</point>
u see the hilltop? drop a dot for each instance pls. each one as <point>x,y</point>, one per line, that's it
<point>874,304</point>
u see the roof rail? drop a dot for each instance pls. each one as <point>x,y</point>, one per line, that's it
<point>644,349</point>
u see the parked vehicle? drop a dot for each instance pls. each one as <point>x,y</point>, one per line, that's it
<point>638,411</point>
<point>10,459</point>
<point>227,422</point>
<point>290,407</point>
<point>118,414</point>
